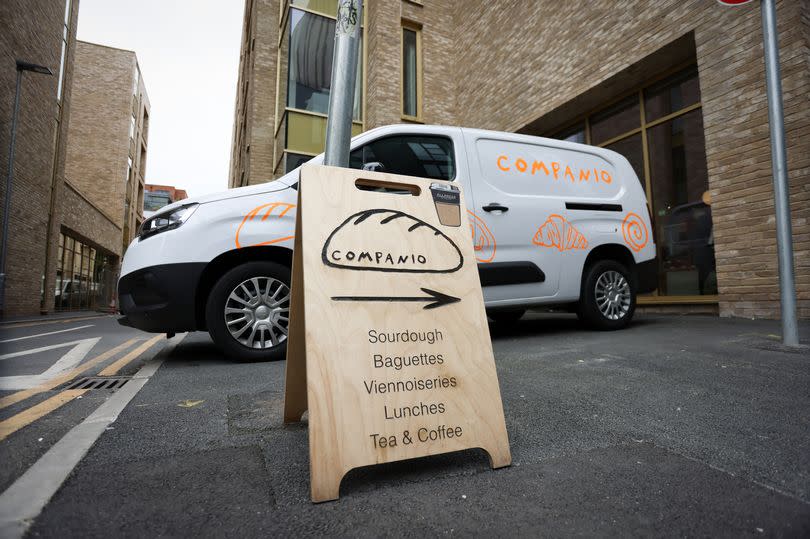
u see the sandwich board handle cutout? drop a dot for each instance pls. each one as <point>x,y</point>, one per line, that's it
<point>366,184</point>
<point>388,347</point>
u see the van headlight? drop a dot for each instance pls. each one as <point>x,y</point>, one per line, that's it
<point>166,221</point>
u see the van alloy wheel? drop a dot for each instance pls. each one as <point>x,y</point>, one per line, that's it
<point>257,312</point>
<point>612,293</point>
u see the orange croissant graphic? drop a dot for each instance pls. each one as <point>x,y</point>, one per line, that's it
<point>559,233</point>
<point>483,240</point>
<point>261,213</point>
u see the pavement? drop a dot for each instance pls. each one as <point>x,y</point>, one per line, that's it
<point>678,425</point>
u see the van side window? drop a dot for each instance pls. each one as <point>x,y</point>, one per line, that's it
<point>412,155</point>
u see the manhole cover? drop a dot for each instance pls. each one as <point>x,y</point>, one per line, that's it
<point>100,382</point>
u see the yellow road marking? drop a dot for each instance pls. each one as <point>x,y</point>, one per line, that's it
<point>26,417</point>
<point>59,380</point>
<point>189,403</point>
<point>45,322</point>
<point>118,365</point>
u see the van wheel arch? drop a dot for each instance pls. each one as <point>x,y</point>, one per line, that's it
<point>612,260</point>
<point>227,261</point>
<point>610,251</point>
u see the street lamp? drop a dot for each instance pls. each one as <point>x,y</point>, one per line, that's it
<point>42,70</point>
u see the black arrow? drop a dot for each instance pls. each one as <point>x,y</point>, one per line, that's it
<point>436,299</point>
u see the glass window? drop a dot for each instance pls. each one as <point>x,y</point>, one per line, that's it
<point>294,160</point>
<point>672,94</point>
<point>65,36</point>
<point>682,206</point>
<point>307,133</point>
<point>631,148</point>
<point>132,127</point>
<point>410,72</point>
<point>620,118</point>
<point>572,134</point>
<point>312,41</point>
<point>327,7</point>
<point>411,155</point>
<point>136,76</point>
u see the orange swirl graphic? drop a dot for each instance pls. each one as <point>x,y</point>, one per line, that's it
<point>558,232</point>
<point>635,232</point>
<point>284,208</point>
<point>483,240</point>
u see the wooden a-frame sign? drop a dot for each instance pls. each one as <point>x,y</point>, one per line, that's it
<point>388,345</point>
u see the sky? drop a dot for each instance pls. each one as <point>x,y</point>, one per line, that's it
<point>188,51</point>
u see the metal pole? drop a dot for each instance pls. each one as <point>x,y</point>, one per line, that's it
<point>781,188</point>
<point>344,75</point>
<point>9,179</point>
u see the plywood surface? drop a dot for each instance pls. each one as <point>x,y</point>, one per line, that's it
<point>394,344</point>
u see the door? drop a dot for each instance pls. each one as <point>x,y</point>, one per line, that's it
<point>511,208</point>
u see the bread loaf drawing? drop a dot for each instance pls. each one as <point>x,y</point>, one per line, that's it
<point>390,240</point>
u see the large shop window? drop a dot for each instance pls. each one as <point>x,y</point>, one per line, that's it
<point>662,124</point>
<point>312,41</point>
<point>85,277</point>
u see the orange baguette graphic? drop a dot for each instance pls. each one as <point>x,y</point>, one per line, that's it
<point>559,233</point>
<point>260,214</point>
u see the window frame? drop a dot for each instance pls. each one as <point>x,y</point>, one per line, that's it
<point>417,30</point>
<point>414,134</point>
<point>644,127</point>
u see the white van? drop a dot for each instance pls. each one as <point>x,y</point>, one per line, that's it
<point>553,223</point>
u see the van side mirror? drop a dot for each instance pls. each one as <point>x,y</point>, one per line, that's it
<point>374,166</point>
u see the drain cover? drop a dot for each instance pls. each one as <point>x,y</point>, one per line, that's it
<point>100,382</point>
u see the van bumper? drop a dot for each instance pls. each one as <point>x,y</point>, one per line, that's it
<point>647,276</point>
<point>160,299</point>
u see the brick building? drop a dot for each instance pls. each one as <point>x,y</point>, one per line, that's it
<point>67,218</point>
<point>157,196</point>
<point>108,135</point>
<point>44,207</point>
<point>675,86</point>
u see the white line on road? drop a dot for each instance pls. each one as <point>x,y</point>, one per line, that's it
<point>25,499</point>
<point>41,349</point>
<point>72,358</point>
<point>44,334</point>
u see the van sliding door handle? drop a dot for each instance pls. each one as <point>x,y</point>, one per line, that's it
<point>494,206</point>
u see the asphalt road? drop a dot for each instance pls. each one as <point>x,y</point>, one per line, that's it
<point>38,360</point>
<point>676,426</point>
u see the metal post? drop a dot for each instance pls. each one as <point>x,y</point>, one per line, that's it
<point>781,188</point>
<point>344,75</point>
<point>7,205</point>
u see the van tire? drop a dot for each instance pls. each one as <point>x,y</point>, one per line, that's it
<point>506,316</point>
<point>262,272</point>
<point>616,287</point>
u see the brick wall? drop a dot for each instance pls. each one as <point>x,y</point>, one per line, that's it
<point>519,62</point>
<point>384,62</point>
<point>505,65</point>
<point>99,142</point>
<point>255,113</point>
<point>31,30</point>
<point>83,219</point>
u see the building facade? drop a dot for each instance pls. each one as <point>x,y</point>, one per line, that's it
<point>68,221</point>
<point>109,134</point>
<point>157,196</point>
<point>677,87</point>
<point>42,205</point>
